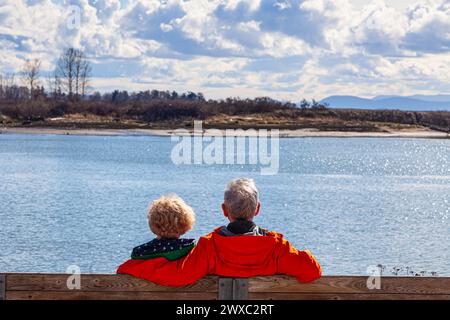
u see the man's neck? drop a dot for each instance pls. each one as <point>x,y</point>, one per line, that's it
<point>241,226</point>
<point>234,220</point>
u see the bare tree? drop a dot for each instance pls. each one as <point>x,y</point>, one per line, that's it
<point>82,73</point>
<point>30,75</point>
<point>54,85</point>
<point>8,88</point>
<point>3,86</point>
<point>78,65</point>
<point>74,70</point>
<point>85,75</point>
<point>66,70</point>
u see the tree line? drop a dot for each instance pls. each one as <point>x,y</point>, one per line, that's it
<point>28,96</point>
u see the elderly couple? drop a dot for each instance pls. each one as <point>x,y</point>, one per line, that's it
<point>240,249</point>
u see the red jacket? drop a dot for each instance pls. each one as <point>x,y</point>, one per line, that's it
<point>230,256</point>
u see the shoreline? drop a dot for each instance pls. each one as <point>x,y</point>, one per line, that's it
<point>283,133</point>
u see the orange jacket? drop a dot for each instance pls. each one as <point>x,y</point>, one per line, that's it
<point>230,256</point>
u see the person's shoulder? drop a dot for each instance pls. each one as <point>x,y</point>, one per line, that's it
<point>208,237</point>
<point>142,248</point>
<point>273,234</point>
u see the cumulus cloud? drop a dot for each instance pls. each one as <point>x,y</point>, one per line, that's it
<point>380,29</point>
<point>429,28</point>
<point>285,48</point>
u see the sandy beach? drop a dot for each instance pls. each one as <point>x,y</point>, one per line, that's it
<point>284,133</point>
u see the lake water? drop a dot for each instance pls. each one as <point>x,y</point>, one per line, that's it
<point>354,202</point>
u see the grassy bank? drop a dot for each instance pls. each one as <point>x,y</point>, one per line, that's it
<point>231,113</point>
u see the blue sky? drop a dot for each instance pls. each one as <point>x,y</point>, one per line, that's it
<point>287,49</point>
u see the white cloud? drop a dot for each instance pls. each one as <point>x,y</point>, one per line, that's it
<point>285,48</point>
<point>252,5</point>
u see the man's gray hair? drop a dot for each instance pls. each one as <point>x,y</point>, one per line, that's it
<point>241,198</point>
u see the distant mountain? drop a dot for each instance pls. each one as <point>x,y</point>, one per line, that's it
<point>410,103</point>
<point>423,97</point>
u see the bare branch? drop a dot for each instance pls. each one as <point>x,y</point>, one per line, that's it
<point>30,75</point>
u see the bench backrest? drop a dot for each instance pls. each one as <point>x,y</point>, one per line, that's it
<point>31,286</point>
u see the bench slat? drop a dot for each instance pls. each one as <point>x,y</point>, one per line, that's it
<point>105,295</point>
<point>352,284</point>
<point>343,296</point>
<point>101,282</point>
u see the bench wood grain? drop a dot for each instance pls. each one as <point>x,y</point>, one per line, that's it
<point>39,286</point>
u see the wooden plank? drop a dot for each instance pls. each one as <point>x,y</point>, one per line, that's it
<point>240,289</point>
<point>225,289</point>
<point>343,296</point>
<point>108,295</point>
<point>101,282</point>
<point>2,287</point>
<point>97,286</point>
<point>352,284</point>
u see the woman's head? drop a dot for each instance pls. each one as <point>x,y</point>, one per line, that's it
<point>170,217</point>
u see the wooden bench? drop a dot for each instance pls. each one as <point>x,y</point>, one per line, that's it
<point>29,286</point>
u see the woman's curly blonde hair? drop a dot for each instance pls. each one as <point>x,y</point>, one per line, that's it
<point>170,217</point>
